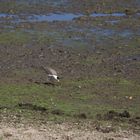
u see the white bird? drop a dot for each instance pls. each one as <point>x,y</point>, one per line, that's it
<point>52,74</point>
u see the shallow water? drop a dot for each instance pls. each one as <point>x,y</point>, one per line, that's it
<point>112,21</point>
<point>52,17</point>
<point>106,15</point>
<point>76,39</point>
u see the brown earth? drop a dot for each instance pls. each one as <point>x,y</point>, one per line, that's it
<point>63,131</point>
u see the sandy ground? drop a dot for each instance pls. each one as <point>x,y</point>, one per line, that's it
<point>59,132</point>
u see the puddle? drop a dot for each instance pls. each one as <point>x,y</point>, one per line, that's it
<point>4,15</point>
<point>111,33</point>
<point>51,17</point>
<point>106,15</point>
<point>54,17</point>
<point>135,57</point>
<point>112,21</point>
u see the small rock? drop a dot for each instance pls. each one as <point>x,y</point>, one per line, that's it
<point>79,87</point>
<point>105,129</point>
<point>109,138</point>
<point>57,112</point>
<point>130,98</point>
<point>124,114</point>
<point>126,97</point>
<point>7,134</point>
<point>82,116</point>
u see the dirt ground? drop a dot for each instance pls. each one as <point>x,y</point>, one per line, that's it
<point>63,131</point>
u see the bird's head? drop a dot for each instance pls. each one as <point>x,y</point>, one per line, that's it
<point>58,79</point>
<point>54,77</point>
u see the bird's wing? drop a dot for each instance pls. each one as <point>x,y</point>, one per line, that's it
<point>53,72</point>
<point>49,70</point>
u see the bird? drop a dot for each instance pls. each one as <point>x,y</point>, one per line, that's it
<point>52,74</point>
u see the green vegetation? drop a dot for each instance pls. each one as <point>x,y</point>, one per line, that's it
<point>19,37</point>
<point>71,98</point>
<point>15,38</point>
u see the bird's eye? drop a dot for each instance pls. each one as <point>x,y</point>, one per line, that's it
<point>58,78</point>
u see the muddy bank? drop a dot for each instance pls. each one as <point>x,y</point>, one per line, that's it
<point>79,6</point>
